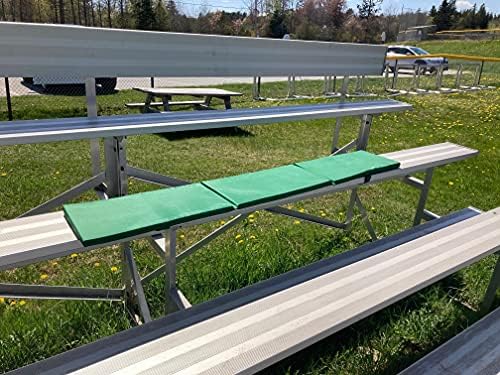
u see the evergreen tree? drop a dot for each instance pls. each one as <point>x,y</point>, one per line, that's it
<point>482,17</point>
<point>445,15</point>
<point>277,25</point>
<point>143,14</point>
<point>369,8</point>
<point>161,17</point>
<point>433,12</point>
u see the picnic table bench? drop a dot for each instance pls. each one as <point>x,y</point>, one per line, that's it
<point>166,94</point>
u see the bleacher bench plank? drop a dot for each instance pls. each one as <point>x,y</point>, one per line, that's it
<point>40,131</point>
<point>55,245</point>
<point>474,351</point>
<point>35,237</point>
<point>257,326</point>
<point>160,104</point>
<point>188,91</point>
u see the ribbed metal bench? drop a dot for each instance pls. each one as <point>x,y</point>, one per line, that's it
<point>252,328</point>
<point>474,351</point>
<point>31,239</point>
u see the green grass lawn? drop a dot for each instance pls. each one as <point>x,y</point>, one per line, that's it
<point>386,342</point>
<point>485,48</point>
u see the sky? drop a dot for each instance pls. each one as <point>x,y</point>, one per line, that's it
<point>193,7</point>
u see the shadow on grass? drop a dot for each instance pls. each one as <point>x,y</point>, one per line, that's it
<point>222,132</point>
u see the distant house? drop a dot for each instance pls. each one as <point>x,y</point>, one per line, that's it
<point>416,33</point>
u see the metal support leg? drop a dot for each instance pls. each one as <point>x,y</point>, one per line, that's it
<point>291,87</point>
<point>8,98</point>
<point>458,77</point>
<point>210,237</point>
<point>350,209</point>
<point>439,78</point>
<point>59,292</point>
<point>365,218</point>
<point>90,93</point>
<point>147,104</point>
<point>417,78</point>
<point>117,185</point>
<point>165,99</point>
<point>481,67</point>
<point>424,193</point>
<point>364,132</point>
<point>338,121</point>
<point>394,83</point>
<point>354,200</point>
<point>139,296</point>
<point>170,262</point>
<point>74,192</point>
<point>494,284</point>
<point>227,102</point>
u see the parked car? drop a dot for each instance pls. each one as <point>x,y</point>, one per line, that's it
<point>428,64</point>
<point>106,84</point>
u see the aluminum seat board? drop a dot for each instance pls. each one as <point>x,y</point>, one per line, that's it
<point>345,167</point>
<point>110,220</point>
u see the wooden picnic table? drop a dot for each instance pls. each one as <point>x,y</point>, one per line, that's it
<point>166,94</point>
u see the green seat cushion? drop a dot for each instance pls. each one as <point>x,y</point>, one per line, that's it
<point>105,221</point>
<point>267,185</point>
<point>345,167</point>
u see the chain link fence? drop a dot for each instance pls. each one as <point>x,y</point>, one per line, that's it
<point>35,97</point>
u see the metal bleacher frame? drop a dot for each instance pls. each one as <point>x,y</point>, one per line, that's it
<point>58,50</point>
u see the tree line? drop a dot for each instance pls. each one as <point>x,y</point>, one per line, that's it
<point>447,17</point>
<point>329,20</point>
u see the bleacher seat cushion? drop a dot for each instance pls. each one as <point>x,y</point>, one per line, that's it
<point>119,218</point>
<point>114,219</point>
<point>266,185</point>
<point>345,167</point>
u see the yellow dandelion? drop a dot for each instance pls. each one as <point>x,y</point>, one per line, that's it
<point>2,300</point>
<point>114,269</point>
<point>373,209</point>
<point>182,236</point>
<point>252,237</point>
<point>323,214</point>
<point>44,276</point>
<point>240,241</point>
<point>251,216</point>
<point>251,220</point>
<point>276,229</point>
<point>302,210</point>
<point>55,264</point>
<point>450,183</point>
<point>74,255</point>
<point>296,221</point>
<point>222,222</point>
<point>97,264</point>
<point>238,236</point>
<point>4,174</point>
<point>22,302</point>
<point>57,172</point>
<point>13,303</point>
